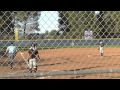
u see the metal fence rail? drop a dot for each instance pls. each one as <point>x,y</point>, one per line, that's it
<point>56,73</point>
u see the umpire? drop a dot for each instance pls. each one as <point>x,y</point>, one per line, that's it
<point>11,52</point>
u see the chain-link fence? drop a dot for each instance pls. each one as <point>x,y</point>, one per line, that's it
<point>68,43</point>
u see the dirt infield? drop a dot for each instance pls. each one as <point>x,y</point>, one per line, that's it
<point>69,59</point>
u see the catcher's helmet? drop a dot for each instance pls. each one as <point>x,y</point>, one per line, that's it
<point>34,44</point>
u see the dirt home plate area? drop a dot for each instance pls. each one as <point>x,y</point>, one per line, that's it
<point>70,59</point>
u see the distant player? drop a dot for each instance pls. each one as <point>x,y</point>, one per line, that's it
<point>101,48</point>
<point>33,57</point>
<point>11,52</point>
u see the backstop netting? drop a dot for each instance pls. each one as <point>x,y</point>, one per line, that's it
<point>68,43</point>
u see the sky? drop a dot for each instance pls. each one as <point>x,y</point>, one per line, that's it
<point>48,21</point>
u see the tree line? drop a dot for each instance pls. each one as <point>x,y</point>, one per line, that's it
<point>72,24</point>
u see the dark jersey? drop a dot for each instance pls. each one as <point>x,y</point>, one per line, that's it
<point>32,53</point>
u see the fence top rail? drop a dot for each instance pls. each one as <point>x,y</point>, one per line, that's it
<point>64,39</point>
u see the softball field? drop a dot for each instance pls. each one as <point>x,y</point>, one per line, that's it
<point>69,59</point>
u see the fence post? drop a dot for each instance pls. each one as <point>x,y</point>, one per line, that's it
<point>16,34</point>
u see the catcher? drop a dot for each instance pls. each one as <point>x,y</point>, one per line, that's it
<point>33,57</point>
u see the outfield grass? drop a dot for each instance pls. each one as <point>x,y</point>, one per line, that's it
<point>55,47</point>
<point>61,39</point>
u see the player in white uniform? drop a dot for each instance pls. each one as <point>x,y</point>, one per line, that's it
<point>11,52</point>
<point>101,48</point>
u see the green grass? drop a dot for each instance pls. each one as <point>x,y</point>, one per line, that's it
<point>61,39</point>
<point>56,47</point>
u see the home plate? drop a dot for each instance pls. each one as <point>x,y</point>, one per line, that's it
<point>42,78</point>
<point>21,53</point>
<point>89,55</point>
<point>45,77</point>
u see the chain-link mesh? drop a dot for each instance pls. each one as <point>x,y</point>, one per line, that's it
<point>68,43</point>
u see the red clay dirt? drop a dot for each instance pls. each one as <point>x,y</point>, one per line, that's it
<point>69,59</point>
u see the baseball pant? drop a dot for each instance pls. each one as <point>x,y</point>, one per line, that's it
<point>11,57</point>
<point>101,50</point>
<point>32,63</point>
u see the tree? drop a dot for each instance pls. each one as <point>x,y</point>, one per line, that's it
<point>52,34</point>
<point>103,25</point>
<point>6,25</point>
<point>79,21</point>
<point>46,34</point>
<point>63,22</point>
<point>107,21</point>
<point>29,20</point>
